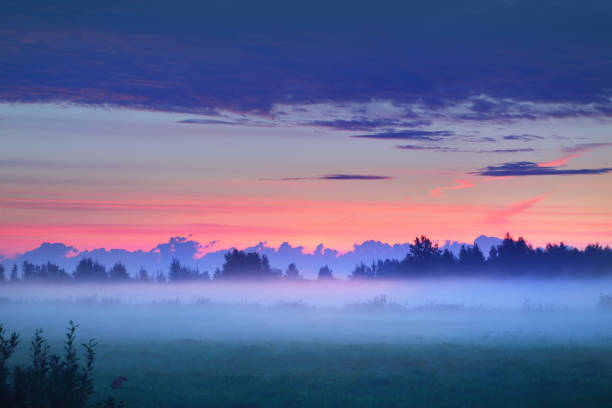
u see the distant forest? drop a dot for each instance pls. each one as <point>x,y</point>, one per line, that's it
<point>512,258</point>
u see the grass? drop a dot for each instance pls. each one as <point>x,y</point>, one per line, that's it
<point>190,373</point>
<point>290,354</point>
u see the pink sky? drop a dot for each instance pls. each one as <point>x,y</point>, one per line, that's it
<point>131,179</point>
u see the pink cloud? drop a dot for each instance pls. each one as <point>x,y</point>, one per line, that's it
<point>561,161</point>
<point>503,216</point>
<point>461,184</point>
<point>574,152</point>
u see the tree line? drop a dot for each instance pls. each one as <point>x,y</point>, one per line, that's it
<point>512,258</point>
<point>238,265</point>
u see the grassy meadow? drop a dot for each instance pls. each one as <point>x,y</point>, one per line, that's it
<point>366,351</point>
<point>192,373</point>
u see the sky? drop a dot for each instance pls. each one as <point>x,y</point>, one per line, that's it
<point>123,124</point>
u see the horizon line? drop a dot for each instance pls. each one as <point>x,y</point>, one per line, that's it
<point>265,244</point>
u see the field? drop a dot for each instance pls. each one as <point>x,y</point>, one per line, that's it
<point>372,352</point>
<point>191,373</point>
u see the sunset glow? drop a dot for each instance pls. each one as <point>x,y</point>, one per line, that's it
<point>98,153</point>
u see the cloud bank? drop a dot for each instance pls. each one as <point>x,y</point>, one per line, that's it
<point>155,55</point>
<point>527,168</point>
<point>206,258</point>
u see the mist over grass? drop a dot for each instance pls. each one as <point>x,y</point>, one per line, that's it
<point>335,343</point>
<point>415,311</point>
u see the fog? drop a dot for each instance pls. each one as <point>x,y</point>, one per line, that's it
<point>451,310</point>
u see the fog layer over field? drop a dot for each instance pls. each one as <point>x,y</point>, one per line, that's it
<point>473,311</point>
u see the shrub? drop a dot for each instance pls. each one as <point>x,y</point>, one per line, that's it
<point>49,380</point>
<point>377,303</point>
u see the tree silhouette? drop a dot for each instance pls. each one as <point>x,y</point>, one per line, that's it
<point>325,273</point>
<point>292,272</point>
<point>511,258</point>
<point>28,271</point>
<point>118,273</point>
<point>424,256</point>
<point>471,258</point>
<point>143,275</point>
<point>447,261</point>
<point>388,269</point>
<point>362,271</point>
<point>599,260</point>
<point>180,272</point>
<point>89,270</point>
<point>14,274</point>
<point>160,277</point>
<point>245,265</point>
<point>48,272</point>
<point>423,251</point>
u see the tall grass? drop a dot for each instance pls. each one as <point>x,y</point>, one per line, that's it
<point>49,380</point>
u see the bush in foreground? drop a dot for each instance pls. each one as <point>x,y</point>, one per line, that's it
<point>49,380</point>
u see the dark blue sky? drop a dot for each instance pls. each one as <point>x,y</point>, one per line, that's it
<point>247,55</point>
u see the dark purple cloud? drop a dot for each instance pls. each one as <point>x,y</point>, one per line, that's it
<point>455,150</point>
<point>429,148</point>
<point>207,122</point>
<point>194,56</point>
<point>424,135</point>
<point>526,168</point>
<point>336,177</point>
<point>523,138</point>
<point>527,149</point>
<point>226,121</point>
<point>367,124</point>
<point>352,177</point>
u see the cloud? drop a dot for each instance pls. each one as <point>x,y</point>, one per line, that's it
<point>367,124</point>
<point>460,184</point>
<point>353,177</point>
<point>157,56</point>
<point>337,177</point>
<point>207,122</point>
<point>560,161</point>
<point>506,110</point>
<point>574,152</point>
<point>424,135</point>
<point>503,216</point>
<point>527,149</point>
<point>242,121</point>
<point>523,138</point>
<point>527,168</point>
<point>429,148</point>
<point>455,150</point>
<point>585,147</point>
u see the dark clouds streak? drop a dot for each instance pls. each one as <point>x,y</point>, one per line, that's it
<point>335,177</point>
<point>455,150</point>
<point>352,177</point>
<point>523,137</point>
<point>526,168</point>
<point>247,56</point>
<point>367,124</point>
<point>423,135</point>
